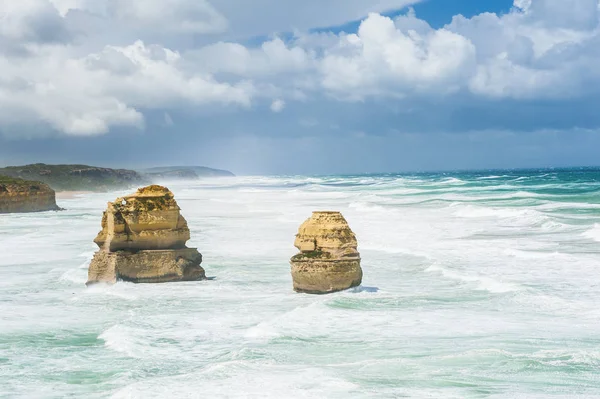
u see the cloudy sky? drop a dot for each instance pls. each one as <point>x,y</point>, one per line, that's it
<point>301,87</point>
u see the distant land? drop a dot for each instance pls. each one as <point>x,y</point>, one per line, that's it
<point>185,172</point>
<point>99,179</point>
<point>76,177</point>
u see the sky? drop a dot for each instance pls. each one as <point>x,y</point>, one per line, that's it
<point>301,87</point>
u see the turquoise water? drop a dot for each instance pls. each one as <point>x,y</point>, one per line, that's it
<point>477,285</point>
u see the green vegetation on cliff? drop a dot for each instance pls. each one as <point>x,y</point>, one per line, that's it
<point>76,177</point>
<point>5,180</point>
<point>92,178</point>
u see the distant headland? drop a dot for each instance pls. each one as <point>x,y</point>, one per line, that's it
<point>98,179</point>
<point>185,172</point>
<point>32,188</point>
<point>76,177</point>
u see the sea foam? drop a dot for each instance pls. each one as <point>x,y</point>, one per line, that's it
<point>472,287</point>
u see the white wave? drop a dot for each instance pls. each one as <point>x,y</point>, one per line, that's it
<point>484,283</point>
<point>552,357</point>
<point>535,254</point>
<point>452,180</point>
<point>120,290</point>
<point>263,331</point>
<point>493,177</point>
<point>392,249</point>
<point>87,254</point>
<point>486,197</point>
<point>593,233</point>
<point>553,226</point>
<point>244,380</point>
<point>555,206</point>
<point>74,276</point>
<point>521,216</point>
<point>406,191</point>
<point>247,334</point>
<point>367,207</point>
<point>123,340</point>
<point>469,211</point>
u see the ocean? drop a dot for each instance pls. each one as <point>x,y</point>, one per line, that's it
<point>476,285</point>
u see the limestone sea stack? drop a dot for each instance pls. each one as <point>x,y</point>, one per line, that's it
<point>19,196</point>
<point>143,240</point>
<point>328,260</point>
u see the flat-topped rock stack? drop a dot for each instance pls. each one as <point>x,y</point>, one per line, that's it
<point>328,260</point>
<point>143,240</point>
<point>17,196</point>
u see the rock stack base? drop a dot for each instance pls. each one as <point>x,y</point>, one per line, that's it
<point>328,260</point>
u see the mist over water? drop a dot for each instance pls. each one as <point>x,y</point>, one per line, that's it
<point>476,285</point>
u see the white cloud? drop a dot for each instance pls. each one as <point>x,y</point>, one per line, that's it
<point>85,66</point>
<point>272,57</point>
<point>522,54</point>
<point>543,49</point>
<point>30,21</point>
<point>277,105</point>
<point>89,95</point>
<point>577,15</point>
<point>382,60</point>
<point>150,76</point>
<point>64,6</point>
<point>264,17</point>
<point>181,16</point>
<point>227,19</point>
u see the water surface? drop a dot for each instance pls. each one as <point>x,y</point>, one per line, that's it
<point>476,285</point>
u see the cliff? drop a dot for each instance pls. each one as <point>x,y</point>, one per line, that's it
<point>328,260</point>
<point>143,240</point>
<point>20,196</point>
<point>76,177</point>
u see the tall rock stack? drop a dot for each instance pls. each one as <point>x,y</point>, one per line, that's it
<point>328,260</point>
<point>143,241</point>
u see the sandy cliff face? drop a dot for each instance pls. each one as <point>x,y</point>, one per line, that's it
<point>328,260</point>
<point>17,196</point>
<point>149,219</point>
<point>143,240</point>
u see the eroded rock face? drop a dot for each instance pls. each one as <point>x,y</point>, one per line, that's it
<point>146,220</point>
<point>328,260</point>
<point>143,241</point>
<point>20,196</point>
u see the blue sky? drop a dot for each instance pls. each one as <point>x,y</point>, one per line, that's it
<point>440,12</point>
<point>264,88</point>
